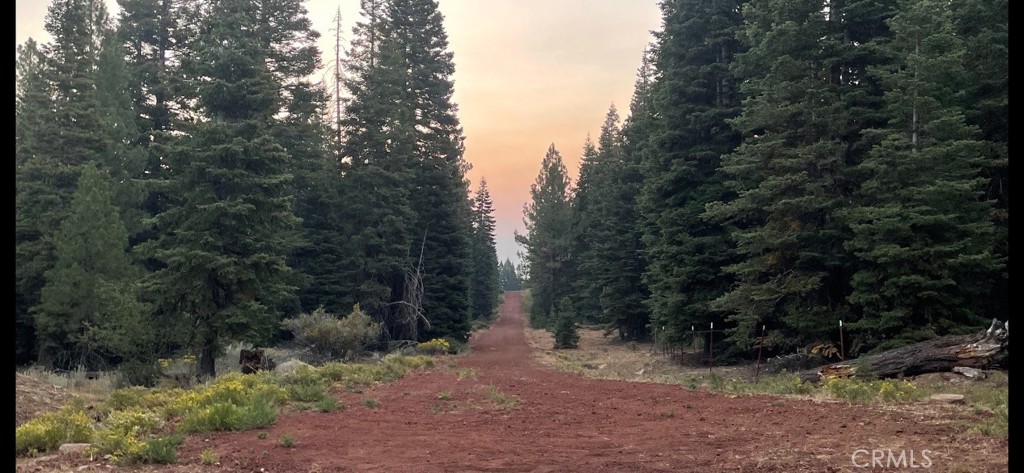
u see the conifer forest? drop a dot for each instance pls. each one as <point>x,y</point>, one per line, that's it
<point>185,182</point>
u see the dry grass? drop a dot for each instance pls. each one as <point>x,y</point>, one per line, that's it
<point>609,358</point>
<point>984,412</point>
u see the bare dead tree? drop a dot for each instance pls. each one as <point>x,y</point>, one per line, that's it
<point>409,309</point>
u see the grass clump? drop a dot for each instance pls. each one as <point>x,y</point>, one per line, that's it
<point>391,368</point>
<point>330,404</point>
<point>162,450</point>
<point>305,384</point>
<point>371,403</point>
<point>502,400</point>
<point>209,457</point>
<point>287,441</point>
<point>444,395</point>
<point>466,373</point>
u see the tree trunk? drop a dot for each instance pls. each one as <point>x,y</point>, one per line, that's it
<point>981,350</point>
<point>207,358</point>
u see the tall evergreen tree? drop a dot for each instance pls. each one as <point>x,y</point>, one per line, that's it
<point>983,26</point>
<point>484,288</point>
<point>439,184</point>
<point>617,248</point>
<point>61,91</point>
<point>35,198</point>
<point>547,218</point>
<point>807,99</point>
<point>923,236</point>
<point>695,96</point>
<point>154,37</point>
<point>586,291</point>
<point>225,244</point>
<point>88,300</point>
<point>376,156</point>
<point>606,257</point>
<point>124,158</point>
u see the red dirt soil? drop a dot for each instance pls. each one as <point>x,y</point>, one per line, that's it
<point>517,415</point>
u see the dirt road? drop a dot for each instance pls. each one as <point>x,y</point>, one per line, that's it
<point>516,415</point>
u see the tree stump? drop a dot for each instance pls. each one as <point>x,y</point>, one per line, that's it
<point>254,360</point>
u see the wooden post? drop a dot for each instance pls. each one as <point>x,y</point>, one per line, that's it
<point>760,346</point>
<point>842,349</point>
<point>693,333</point>
<point>711,348</point>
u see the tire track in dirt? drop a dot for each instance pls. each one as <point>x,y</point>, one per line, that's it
<point>432,421</point>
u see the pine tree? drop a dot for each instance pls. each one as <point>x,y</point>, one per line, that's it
<point>78,28</point>
<point>565,333</point>
<point>60,130</point>
<point>376,158</point>
<point>586,291</point>
<point>983,27</point>
<point>124,158</point>
<point>87,311</point>
<point>606,255</point>
<point>547,218</point>
<point>35,198</point>
<point>922,234</point>
<point>807,99</point>
<point>485,285</point>
<point>693,99</point>
<point>439,184</point>
<point>224,246</point>
<point>617,249</point>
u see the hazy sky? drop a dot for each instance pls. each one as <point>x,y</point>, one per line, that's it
<point>528,73</point>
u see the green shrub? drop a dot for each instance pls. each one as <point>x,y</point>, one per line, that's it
<point>437,346</point>
<point>209,457</point>
<point>45,433</point>
<point>333,338</point>
<point>162,450</point>
<point>287,441</point>
<point>455,347</point>
<point>305,384</point>
<point>329,404</point>
<point>371,403</point>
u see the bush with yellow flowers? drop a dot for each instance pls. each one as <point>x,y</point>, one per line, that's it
<point>45,433</point>
<point>231,402</point>
<point>124,433</point>
<point>437,346</point>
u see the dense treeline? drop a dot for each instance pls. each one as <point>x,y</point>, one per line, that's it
<point>790,164</point>
<point>182,184</point>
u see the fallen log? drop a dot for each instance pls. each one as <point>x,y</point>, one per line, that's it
<point>980,350</point>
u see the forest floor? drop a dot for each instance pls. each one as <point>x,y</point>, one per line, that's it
<point>504,408</point>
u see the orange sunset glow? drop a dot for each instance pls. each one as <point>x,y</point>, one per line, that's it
<point>528,73</point>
